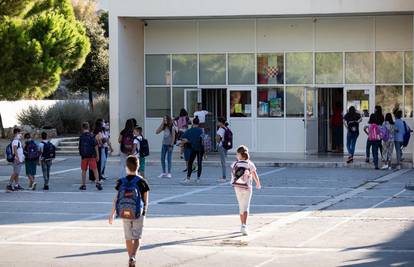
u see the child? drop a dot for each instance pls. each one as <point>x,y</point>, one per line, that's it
<point>16,157</point>
<point>374,137</point>
<point>133,223</point>
<point>141,149</point>
<point>31,152</point>
<point>47,153</point>
<point>243,174</point>
<point>388,140</point>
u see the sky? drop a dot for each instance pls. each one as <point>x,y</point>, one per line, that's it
<point>103,4</point>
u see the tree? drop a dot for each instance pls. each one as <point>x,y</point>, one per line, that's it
<point>103,19</point>
<point>94,74</point>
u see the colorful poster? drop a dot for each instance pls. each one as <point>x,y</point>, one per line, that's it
<point>275,107</point>
<point>364,105</point>
<point>238,108</point>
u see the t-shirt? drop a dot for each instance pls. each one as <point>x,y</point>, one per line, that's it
<point>167,138</point>
<point>251,169</point>
<point>137,140</point>
<point>201,115</point>
<point>220,132</point>
<point>193,136</point>
<point>399,130</point>
<point>141,184</point>
<point>20,155</point>
<point>352,120</point>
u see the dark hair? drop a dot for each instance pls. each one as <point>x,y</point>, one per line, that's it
<point>196,120</point>
<point>132,163</point>
<point>138,129</point>
<point>169,123</point>
<point>352,110</point>
<point>44,135</point>
<point>388,117</point>
<point>134,122</point>
<point>26,135</point>
<point>183,113</point>
<point>16,131</point>
<point>98,126</point>
<point>223,121</point>
<point>129,125</point>
<point>378,110</point>
<point>243,151</point>
<point>398,114</point>
<point>85,125</point>
<point>372,119</point>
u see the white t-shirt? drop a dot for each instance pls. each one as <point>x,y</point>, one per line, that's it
<point>201,115</point>
<point>220,132</point>
<point>19,146</point>
<point>137,139</point>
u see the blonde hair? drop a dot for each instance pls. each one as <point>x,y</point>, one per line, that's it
<point>243,151</point>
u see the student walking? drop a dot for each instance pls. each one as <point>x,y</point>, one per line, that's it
<point>131,205</point>
<point>351,121</point>
<point>243,174</point>
<point>374,137</point>
<point>387,136</point>
<point>47,153</point>
<point>31,153</point>
<point>400,131</point>
<point>15,156</point>
<point>107,148</point>
<point>194,139</point>
<point>168,141</point>
<point>88,150</point>
<point>224,140</point>
<point>379,120</point>
<point>126,141</point>
<point>141,149</point>
<point>98,134</point>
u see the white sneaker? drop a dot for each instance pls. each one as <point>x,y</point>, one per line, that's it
<point>198,180</point>
<point>385,167</point>
<point>161,175</point>
<point>169,175</point>
<point>186,180</point>
<point>244,230</point>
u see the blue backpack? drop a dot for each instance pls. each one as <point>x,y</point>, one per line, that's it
<point>9,152</point>
<point>128,203</point>
<point>407,135</point>
<point>87,146</point>
<point>49,150</point>
<point>31,150</point>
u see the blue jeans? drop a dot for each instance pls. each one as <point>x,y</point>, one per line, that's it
<point>375,146</point>
<point>166,151</point>
<point>351,139</point>
<point>398,151</point>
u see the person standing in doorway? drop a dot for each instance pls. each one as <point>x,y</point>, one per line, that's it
<point>351,121</point>
<point>337,128</point>
<point>399,136</point>
<point>167,127</point>
<point>17,159</point>
<point>387,130</point>
<point>223,145</point>
<point>201,114</point>
<point>194,138</point>
<point>374,137</point>
<point>126,141</point>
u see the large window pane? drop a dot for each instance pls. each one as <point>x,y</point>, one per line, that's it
<point>358,67</point>
<point>240,104</point>
<point>241,68</point>
<point>409,67</point>
<point>360,100</point>
<point>178,100</point>
<point>270,102</point>
<point>295,101</point>
<point>270,68</point>
<point>311,103</point>
<point>184,69</point>
<point>408,101</point>
<point>213,69</point>
<point>157,69</point>
<point>388,67</point>
<point>329,68</point>
<point>390,98</point>
<point>299,68</point>
<point>158,101</point>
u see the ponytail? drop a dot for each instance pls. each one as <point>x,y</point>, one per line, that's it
<point>244,152</point>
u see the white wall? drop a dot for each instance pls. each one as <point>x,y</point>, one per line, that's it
<point>394,32</point>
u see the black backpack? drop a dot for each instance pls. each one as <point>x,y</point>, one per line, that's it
<point>87,146</point>
<point>49,150</point>
<point>143,148</point>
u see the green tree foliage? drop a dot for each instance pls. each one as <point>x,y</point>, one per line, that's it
<point>39,41</point>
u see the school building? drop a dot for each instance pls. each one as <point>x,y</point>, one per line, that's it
<point>275,69</point>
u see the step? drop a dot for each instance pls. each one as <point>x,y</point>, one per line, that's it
<point>68,153</point>
<point>59,148</point>
<point>66,143</point>
<point>69,139</point>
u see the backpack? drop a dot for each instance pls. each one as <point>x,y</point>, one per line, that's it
<point>143,147</point>
<point>128,203</point>
<point>87,146</point>
<point>407,135</point>
<point>9,152</point>
<point>127,143</point>
<point>228,139</point>
<point>31,150</point>
<point>182,122</point>
<point>374,132</point>
<point>240,174</point>
<point>49,150</point>
<point>384,133</point>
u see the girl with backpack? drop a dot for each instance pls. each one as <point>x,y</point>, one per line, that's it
<point>168,141</point>
<point>374,137</point>
<point>387,135</point>
<point>243,173</point>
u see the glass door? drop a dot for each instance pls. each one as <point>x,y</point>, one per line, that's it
<point>191,98</point>
<point>311,120</point>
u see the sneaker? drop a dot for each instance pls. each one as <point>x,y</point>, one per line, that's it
<point>34,186</point>
<point>198,180</point>
<point>82,187</point>
<point>9,188</point>
<point>389,168</point>
<point>18,188</point>
<point>385,167</point>
<point>99,186</point>
<point>244,230</point>
<point>398,167</point>
<point>168,175</point>
<point>46,187</point>
<point>377,168</point>
<point>162,175</point>
<point>186,180</point>
<point>132,262</point>
<point>367,160</point>
<point>350,159</point>
<point>185,170</point>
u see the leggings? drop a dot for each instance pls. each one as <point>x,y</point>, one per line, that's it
<point>193,155</point>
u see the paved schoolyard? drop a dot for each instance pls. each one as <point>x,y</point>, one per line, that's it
<point>301,217</point>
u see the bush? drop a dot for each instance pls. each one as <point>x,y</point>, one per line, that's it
<point>32,116</point>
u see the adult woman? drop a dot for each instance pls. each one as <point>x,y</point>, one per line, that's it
<point>168,141</point>
<point>388,140</point>
<point>126,141</point>
<point>351,121</point>
<point>193,137</point>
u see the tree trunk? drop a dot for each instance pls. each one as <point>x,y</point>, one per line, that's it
<point>90,98</point>
<point>2,133</point>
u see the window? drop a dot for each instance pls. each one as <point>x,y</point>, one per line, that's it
<point>158,102</point>
<point>241,69</point>
<point>157,69</point>
<point>184,69</point>
<point>270,69</point>
<point>295,102</point>
<point>358,67</point>
<point>408,101</point>
<point>409,67</point>
<point>213,69</point>
<point>310,103</point>
<point>299,68</point>
<point>178,100</point>
<point>329,68</point>
<point>389,67</point>
<point>360,100</point>
<point>240,104</point>
<point>390,98</point>
<point>270,102</point>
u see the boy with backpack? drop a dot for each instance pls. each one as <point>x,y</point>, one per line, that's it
<point>15,156</point>
<point>224,139</point>
<point>31,153</point>
<point>141,149</point>
<point>47,154</point>
<point>131,205</point>
<point>88,150</point>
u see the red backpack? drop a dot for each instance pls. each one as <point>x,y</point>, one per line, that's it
<point>127,143</point>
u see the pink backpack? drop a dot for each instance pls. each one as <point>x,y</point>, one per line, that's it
<point>182,122</point>
<point>374,132</point>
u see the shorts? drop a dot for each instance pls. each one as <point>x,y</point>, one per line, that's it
<point>244,197</point>
<point>141,164</point>
<point>133,228</point>
<point>89,162</point>
<point>17,168</point>
<point>30,166</point>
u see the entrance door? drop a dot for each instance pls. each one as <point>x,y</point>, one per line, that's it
<point>311,120</point>
<point>191,98</point>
